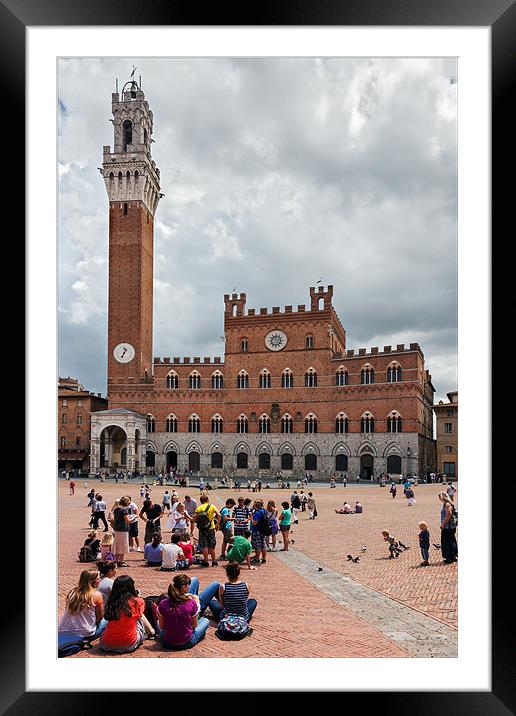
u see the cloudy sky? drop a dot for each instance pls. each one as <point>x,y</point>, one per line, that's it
<point>276,173</point>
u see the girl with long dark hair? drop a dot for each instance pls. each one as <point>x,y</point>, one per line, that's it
<point>127,626</point>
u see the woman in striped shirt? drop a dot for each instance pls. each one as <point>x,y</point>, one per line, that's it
<point>233,596</point>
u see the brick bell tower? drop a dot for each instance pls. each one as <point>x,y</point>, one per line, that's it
<point>132,183</point>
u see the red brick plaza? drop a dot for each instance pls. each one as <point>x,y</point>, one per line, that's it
<point>377,607</point>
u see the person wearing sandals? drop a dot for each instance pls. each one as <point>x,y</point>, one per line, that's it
<point>127,626</point>
<point>83,617</point>
<point>233,596</point>
<point>121,522</point>
<point>179,617</point>
<point>258,539</point>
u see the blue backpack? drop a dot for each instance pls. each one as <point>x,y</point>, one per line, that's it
<point>232,628</point>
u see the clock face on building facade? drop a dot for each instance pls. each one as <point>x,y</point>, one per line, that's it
<point>276,340</point>
<point>123,352</point>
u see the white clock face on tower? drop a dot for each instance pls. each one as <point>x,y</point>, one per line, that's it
<point>123,352</point>
<point>276,340</point>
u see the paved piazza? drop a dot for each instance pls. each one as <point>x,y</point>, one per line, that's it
<point>378,607</point>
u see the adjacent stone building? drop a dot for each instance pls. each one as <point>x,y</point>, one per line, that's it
<point>447,417</point>
<point>75,406</point>
<point>287,395</point>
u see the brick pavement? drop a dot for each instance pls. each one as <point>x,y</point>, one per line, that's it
<point>294,618</point>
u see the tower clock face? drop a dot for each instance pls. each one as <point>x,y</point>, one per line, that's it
<point>276,340</point>
<point>123,352</point>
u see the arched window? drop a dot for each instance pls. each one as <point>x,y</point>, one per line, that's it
<point>216,460</point>
<point>394,423</point>
<point>217,380</point>
<point>194,424</point>
<point>367,423</point>
<point>151,424</point>
<point>194,380</point>
<point>287,424</point>
<point>341,462</point>
<point>341,377</point>
<point>171,424</point>
<point>265,379</point>
<point>287,461</point>
<point>127,133</point>
<point>145,136</point>
<point>264,461</point>
<point>367,375</point>
<point>341,423</point>
<point>242,461</point>
<point>217,424</point>
<point>172,380</point>
<point>125,208</point>
<point>310,461</point>
<point>309,341</point>
<point>287,379</point>
<point>244,345</point>
<point>242,380</point>
<point>394,373</point>
<point>310,378</point>
<point>264,424</point>
<point>242,424</point>
<point>310,423</point>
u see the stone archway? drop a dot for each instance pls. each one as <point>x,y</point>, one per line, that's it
<point>113,447</point>
<point>366,467</point>
<point>171,460</point>
<point>194,461</point>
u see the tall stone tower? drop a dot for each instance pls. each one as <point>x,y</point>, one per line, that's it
<point>132,182</point>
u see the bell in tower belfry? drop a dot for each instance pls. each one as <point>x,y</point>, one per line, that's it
<point>132,182</point>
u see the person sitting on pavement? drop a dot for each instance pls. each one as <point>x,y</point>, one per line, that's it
<point>83,616</point>
<point>346,509</point>
<point>172,556</point>
<point>127,626</point>
<point>153,552</point>
<point>358,507</point>
<point>233,596</point>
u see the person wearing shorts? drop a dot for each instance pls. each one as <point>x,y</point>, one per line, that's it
<point>240,517</point>
<point>207,536</point>
<point>285,520</point>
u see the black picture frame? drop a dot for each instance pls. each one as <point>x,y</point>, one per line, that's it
<point>500,16</point>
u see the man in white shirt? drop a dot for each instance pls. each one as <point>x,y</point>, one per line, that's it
<point>172,554</point>
<point>99,508</point>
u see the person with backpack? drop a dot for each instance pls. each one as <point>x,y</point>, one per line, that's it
<point>82,620</point>
<point>179,616</point>
<point>272,515</point>
<point>295,504</point>
<point>207,520</point>
<point>233,597</point>
<point>449,522</point>
<point>260,531</point>
<point>91,548</point>
<point>127,626</point>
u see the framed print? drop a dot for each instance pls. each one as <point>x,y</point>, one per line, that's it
<point>253,209</point>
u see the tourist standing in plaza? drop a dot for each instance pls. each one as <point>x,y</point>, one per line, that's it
<point>312,508</point>
<point>71,485</point>
<point>191,506</point>
<point>450,491</point>
<point>285,520</point>
<point>258,534</point>
<point>295,503</point>
<point>166,503</point>
<point>226,525</point>
<point>127,626</point>
<point>84,609</point>
<point>448,529</point>
<point>207,519</point>
<point>424,543</point>
<point>240,517</point>
<point>393,489</point>
<point>121,522</point>
<point>151,514</point>
<point>272,515</point>
<point>99,512</point>
<point>134,539</point>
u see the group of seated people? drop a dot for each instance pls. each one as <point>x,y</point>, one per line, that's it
<point>346,509</point>
<point>110,607</point>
